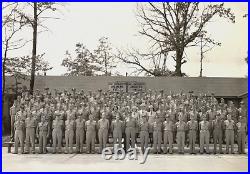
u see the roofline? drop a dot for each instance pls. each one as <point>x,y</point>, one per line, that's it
<point>243,94</point>
<point>173,77</point>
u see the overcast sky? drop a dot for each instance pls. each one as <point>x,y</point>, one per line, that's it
<point>87,22</point>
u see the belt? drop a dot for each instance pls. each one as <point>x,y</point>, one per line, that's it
<point>217,128</point>
<point>90,131</point>
<point>180,130</point>
<point>157,130</point>
<point>104,128</point>
<point>229,129</point>
<point>43,131</point>
<point>144,130</point>
<point>168,130</point>
<point>117,129</point>
<point>57,128</point>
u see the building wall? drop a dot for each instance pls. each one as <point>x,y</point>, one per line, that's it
<point>228,88</point>
<point>219,86</point>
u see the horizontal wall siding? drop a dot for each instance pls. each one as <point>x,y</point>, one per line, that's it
<point>219,86</point>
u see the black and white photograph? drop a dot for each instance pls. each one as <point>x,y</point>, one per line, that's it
<point>124,86</point>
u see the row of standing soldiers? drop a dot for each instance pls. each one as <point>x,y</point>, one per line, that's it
<point>153,117</point>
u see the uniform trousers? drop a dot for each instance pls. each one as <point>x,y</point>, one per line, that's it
<point>42,141</point>
<point>168,139</point>
<point>30,139</point>
<point>19,140</point>
<point>144,138</point>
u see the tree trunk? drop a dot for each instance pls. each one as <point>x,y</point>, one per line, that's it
<point>4,66</point>
<point>33,63</point>
<point>16,86</point>
<point>179,54</point>
<point>201,68</point>
<point>105,62</point>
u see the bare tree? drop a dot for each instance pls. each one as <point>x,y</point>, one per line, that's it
<point>40,14</point>
<point>150,64</point>
<point>173,27</point>
<point>10,29</point>
<point>206,45</point>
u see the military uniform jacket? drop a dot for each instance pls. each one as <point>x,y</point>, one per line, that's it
<point>80,124</point>
<point>144,126</point>
<point>181,126</point>
<point>57,124</point>
<point>61,114</point>
<point>192,125</point>
<point>90,125</point>
<point>117,125</point>
<point>151,116</point>
<point>157,126</point>
<point>69,125</point>
<point>242,111</point>
<point>241,127</point>
<point>204,125</point>
<point>130,123</point>
<point>168,126</point>
<point>103,124</point>
<point>19,125</point>
<point>30,123</point>
<point>43,126</point>
<point>217,125</point>
<point>229,125</point>
<point>22,115</point>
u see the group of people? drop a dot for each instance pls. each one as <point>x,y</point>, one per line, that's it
<point>135,119</point>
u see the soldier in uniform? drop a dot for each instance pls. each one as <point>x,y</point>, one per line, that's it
<point>180,136</point>
<point>241,134</point>
<point>80,132</point>
<point>144,133</point>
<point>18,128</point>
<point>137,116</point>
<point>48,115</point>
<point>229,133</point>
<point>103,127</point>
<point>151,118</point>
<point>217,127</point>
<point>168,127</point>
<point>57,126</point>
<point>42,133</point>
<point>192,128</point>
<point>69,133</point>
<point>204,134</point>
<point>71,112</point>
<point>117,129</point>
<point>130,125</point>
<point>13,111</point>
<point>90,127</point>
<point>242,111</point>
<point>30,125</point>
<point>157,134</point>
